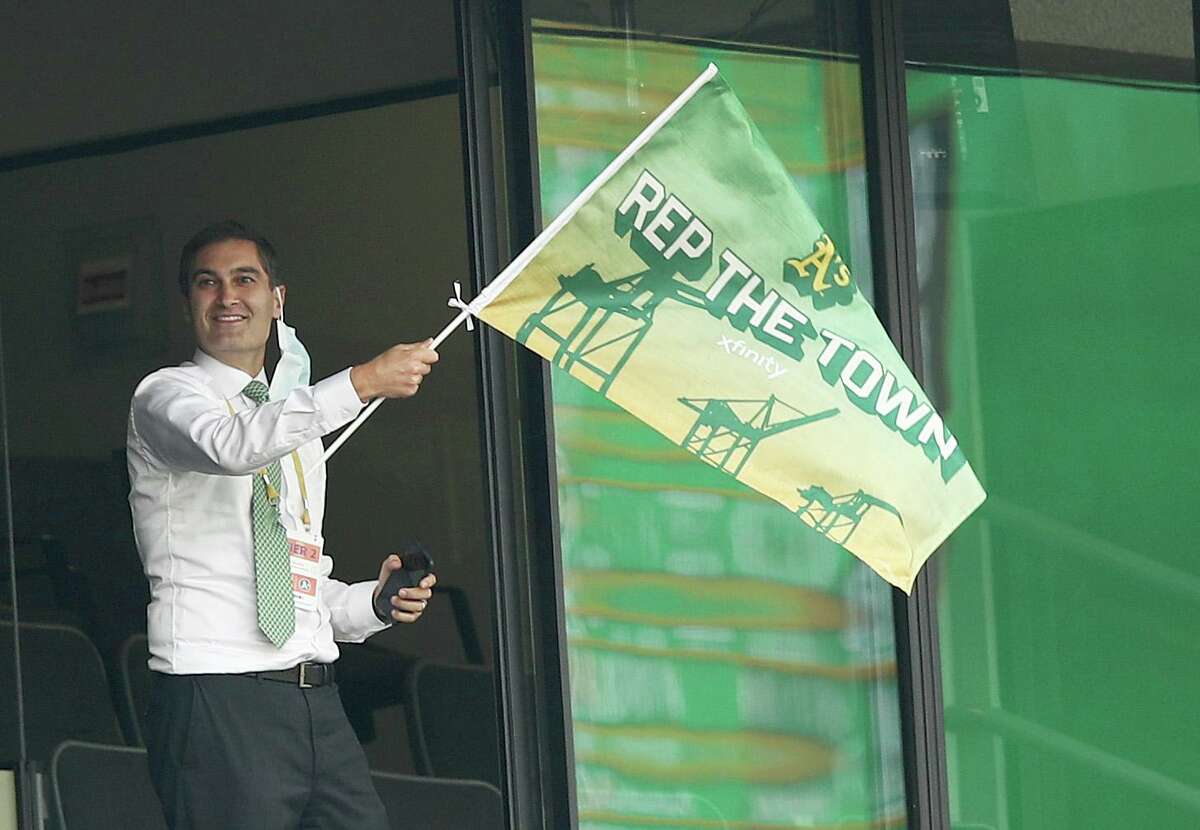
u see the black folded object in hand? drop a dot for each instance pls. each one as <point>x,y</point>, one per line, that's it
<point>417,564</point>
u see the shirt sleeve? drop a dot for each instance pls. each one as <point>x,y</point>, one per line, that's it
<point>190,431</point>
<point>350,612</point>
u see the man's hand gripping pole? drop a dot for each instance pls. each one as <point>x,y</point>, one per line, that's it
<point>466,312</point>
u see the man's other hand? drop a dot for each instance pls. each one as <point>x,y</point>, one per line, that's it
<point>397,373</point>
<point>408,603</point>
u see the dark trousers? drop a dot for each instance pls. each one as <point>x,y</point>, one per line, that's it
<point>230,752</point>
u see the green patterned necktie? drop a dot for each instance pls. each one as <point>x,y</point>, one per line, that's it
<point>272,566</point>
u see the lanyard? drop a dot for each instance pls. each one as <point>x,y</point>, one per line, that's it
<point>273,494</point>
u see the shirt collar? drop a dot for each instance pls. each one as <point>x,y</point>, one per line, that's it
<point>227,380</point>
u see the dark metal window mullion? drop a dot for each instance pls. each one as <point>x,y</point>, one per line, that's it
<point>537,770</point>
<point>893,249</point>
<point>480,203</point>
<point>557,769</point>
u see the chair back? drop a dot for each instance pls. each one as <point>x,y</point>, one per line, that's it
<point>134,694</point>
<point>99,787</point>
<point>454,713</point>
<point>438,803</point>
<point>66,691</point>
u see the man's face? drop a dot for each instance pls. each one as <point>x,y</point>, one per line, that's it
<point>231,304</point>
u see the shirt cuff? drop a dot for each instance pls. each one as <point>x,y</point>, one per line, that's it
<point>361,621</point>
<point>336,399</point>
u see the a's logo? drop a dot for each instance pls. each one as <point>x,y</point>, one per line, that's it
<point>821,275</point>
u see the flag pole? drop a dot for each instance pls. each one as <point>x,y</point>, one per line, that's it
<point>510,272</point>
<point>465,314</point>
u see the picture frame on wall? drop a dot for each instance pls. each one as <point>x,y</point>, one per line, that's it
<point>115,291</point>
<point>103,285</point>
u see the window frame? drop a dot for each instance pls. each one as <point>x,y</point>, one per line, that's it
<point>894,260</point>
<point>537,759</point>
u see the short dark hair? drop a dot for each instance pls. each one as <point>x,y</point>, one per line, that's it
<point>220,232</point>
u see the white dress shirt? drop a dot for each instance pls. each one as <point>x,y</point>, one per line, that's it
<point>191,467</point>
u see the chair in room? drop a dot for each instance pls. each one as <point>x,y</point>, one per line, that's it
<point>98,787</point>
<point>453,718</point>
<point>438,803</point>
<point>133,692</point>
<point>66,691</point>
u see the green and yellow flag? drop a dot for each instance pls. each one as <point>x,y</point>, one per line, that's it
<point>692,285</point>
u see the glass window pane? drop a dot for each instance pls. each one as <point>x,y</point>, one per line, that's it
<point>1057,179</point>
<point>688,711</point>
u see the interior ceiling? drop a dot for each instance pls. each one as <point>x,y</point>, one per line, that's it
<point>75,71</point>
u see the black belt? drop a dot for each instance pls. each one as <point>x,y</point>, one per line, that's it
<point>304,675</point>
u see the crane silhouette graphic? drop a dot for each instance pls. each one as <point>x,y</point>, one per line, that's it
<point>837,517</point>
<point>598,324</point>
<point>728,430</point>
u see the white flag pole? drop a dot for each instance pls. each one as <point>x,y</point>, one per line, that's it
<point>502,280</point>
<point>465,314</point>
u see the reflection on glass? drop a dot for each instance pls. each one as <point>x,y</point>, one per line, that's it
<point>1057,231</point>
<point>728,666</point>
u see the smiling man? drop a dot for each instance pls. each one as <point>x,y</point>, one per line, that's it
<point>231,304</point>
<point>245,728</point>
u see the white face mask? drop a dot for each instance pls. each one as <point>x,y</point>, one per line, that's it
<point>294,367</point>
